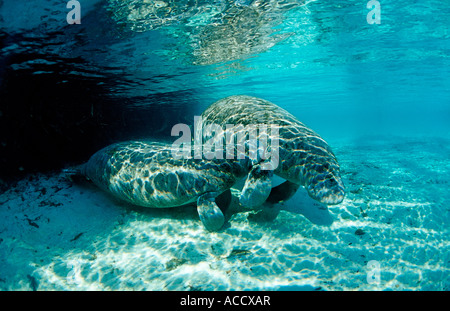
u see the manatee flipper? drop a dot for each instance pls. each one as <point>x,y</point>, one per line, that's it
<point>257,187</point>
<point>210,214</point>
<point>282,192</point>
<point>267,212</point>
<point>223,201</point>
<point>271,208</point>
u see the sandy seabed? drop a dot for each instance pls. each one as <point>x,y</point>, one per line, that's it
<point>60,235</point>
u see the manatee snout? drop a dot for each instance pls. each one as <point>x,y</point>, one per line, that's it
<point>329,190</point>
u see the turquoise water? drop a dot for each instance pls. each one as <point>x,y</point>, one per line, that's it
<point>320,59</point>
<point>379,94</point>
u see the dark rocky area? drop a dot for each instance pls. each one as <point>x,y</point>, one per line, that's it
<point>58,111</point>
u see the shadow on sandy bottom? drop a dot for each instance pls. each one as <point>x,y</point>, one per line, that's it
<point>314,211</point>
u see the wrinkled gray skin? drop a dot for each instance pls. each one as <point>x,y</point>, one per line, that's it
<point>305,159</point>
<point>146,174</point>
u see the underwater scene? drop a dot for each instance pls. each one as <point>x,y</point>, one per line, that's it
<point>224,145</point>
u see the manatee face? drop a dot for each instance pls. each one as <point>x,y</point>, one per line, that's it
<point>326,188</point>
<point>323,181</point>
<point>318,172</point>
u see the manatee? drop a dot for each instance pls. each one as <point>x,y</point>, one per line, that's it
<point>147,174</point>
<point>304,158</point>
